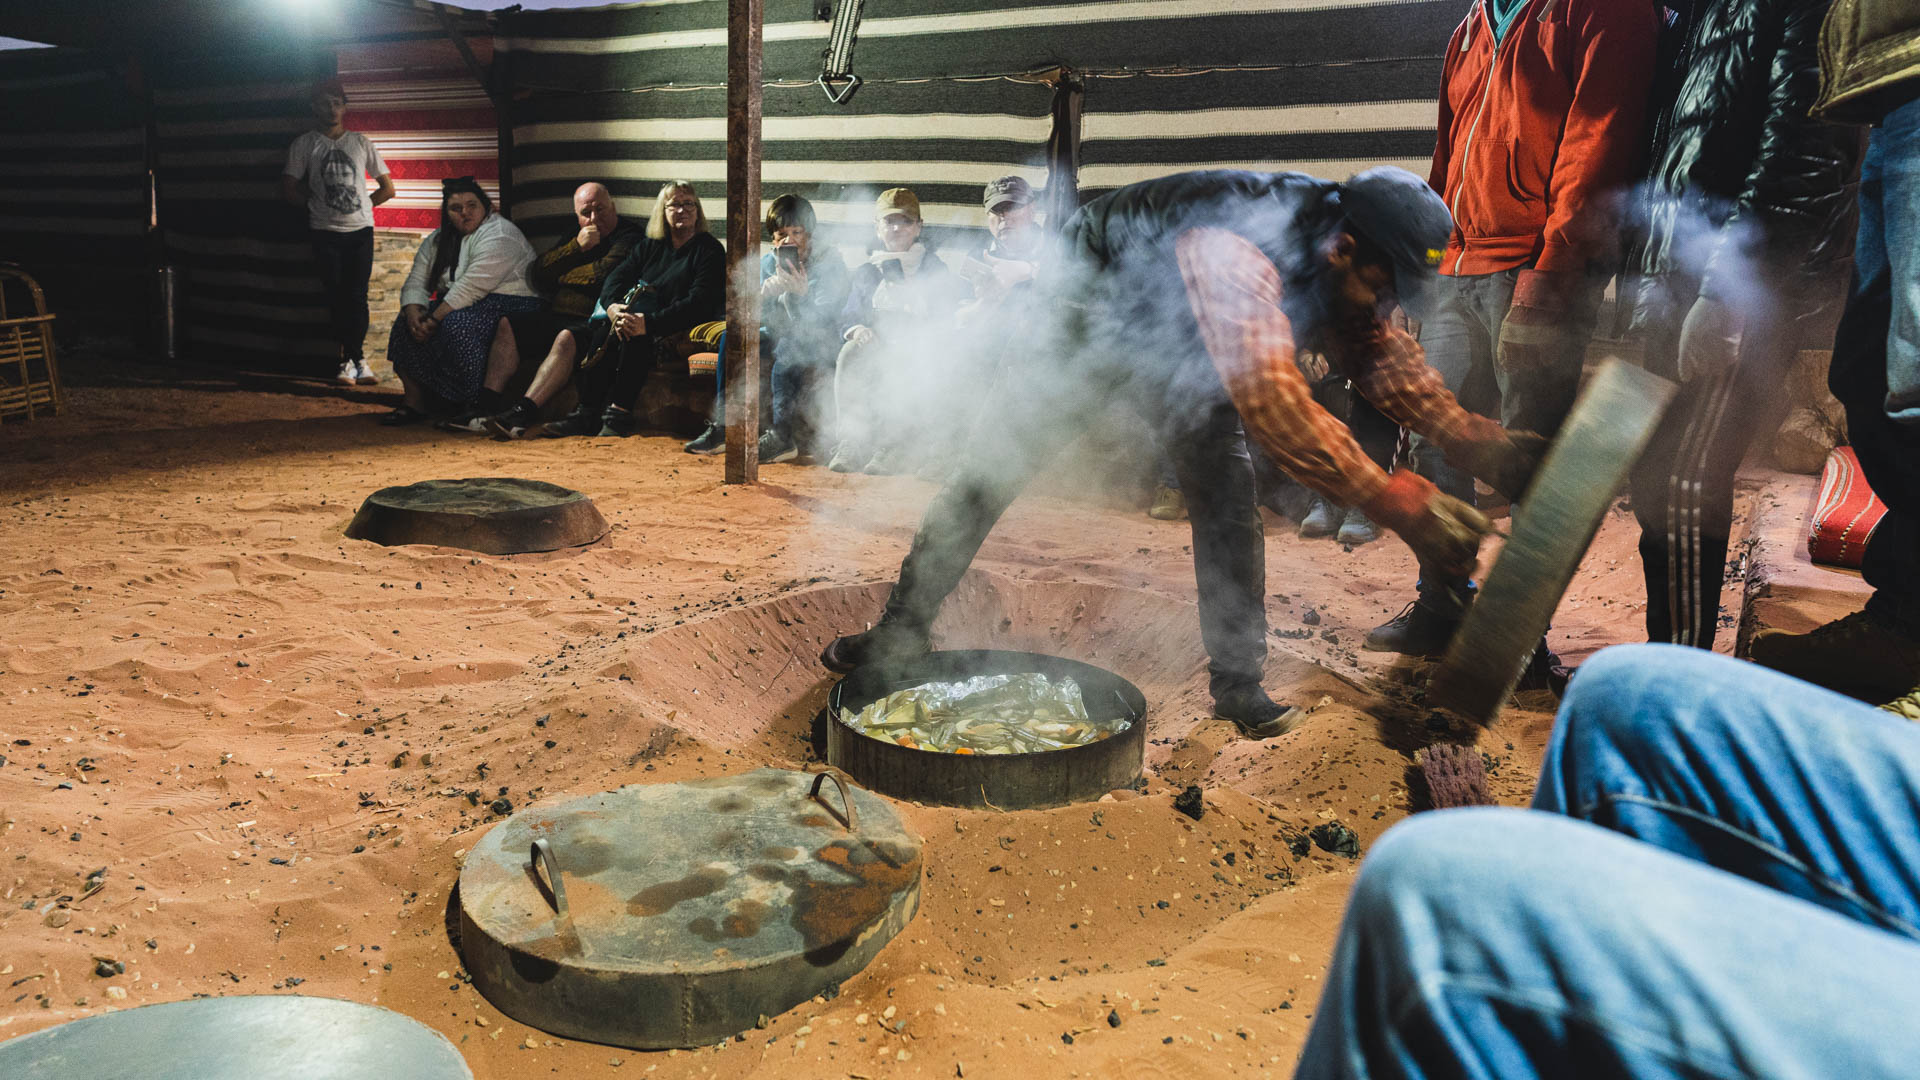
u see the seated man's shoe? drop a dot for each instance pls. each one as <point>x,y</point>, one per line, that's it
<point>1323,519</point>
<point>1858,654</point>
<point>709,442</point>
<point>1357,529</point>
<point>618,423</point>
<point>1254,713</point>
<point>583,420</point>
<point>847,457</point>
<point>776,448</point>
<point>513,423</point>
<point>883,643</point>
<point>465,424</point>
<point>1424,627</point>
<point>1168,504</point>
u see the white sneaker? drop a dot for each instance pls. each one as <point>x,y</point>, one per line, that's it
<point>349,373</point>
<point>363,374</point>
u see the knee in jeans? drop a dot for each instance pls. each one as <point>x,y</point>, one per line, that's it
<point>1452,860</point>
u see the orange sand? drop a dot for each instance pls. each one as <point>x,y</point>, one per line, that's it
<point>269,731</point>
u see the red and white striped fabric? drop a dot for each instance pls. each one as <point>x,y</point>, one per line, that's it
<point>431,120</point>
<point>1845,513</point>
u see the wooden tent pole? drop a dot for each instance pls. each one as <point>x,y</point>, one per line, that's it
<point>745,19</point>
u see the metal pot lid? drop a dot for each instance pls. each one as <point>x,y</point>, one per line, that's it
<point>288,1037</point>
<point>677,914</point>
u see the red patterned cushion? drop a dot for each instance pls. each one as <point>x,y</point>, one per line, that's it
<point>1845,513</point>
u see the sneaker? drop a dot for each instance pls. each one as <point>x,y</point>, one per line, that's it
<point>618,423</point>
<point>363,374</point>
<point>1906,706</point>
<point>1857,654</point>
<point>709,442</point>
<point>1323,519</point>
<point>885,462</point>
<point>1168,504</point>
<point>465,423</point>
<point>349,373</point>
<point>1254,713</point>
<point>581,421</point>
<point>847,457</point>
<point>935,471</point>
<point>1424,627</point>
<point>1357,529</point>
<point>513,423</point>
<point>885,642</point>
<point>776,448</point>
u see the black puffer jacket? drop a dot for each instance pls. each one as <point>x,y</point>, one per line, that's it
<point>1740,179</point>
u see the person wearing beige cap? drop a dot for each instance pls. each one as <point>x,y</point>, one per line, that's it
<point>902,288</point>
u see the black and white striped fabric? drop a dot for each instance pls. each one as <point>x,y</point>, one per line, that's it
<point>73,163</point>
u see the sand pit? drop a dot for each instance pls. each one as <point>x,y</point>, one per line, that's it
<point>276,744</point>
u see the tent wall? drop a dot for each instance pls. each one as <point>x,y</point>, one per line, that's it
<point>421,105</point>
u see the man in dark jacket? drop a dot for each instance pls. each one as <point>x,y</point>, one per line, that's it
<point>1744,247</point>
<point>1185,297</point>
<point>1870,74</point>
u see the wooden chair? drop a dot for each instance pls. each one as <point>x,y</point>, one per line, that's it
<point>29,376</point>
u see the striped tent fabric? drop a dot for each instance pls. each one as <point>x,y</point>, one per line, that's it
<point>73,172</point>
<point>420,105</point>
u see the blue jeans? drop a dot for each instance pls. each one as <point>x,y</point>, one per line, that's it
<point>1876,361</point>
<point>1720,878</point>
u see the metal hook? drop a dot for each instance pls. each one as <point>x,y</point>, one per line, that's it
<point>846,796</point>
<point>543,859</point>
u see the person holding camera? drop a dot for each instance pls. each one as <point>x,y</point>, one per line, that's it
<point>803,291</point>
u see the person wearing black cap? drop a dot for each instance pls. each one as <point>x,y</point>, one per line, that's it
<point>1186,298</point>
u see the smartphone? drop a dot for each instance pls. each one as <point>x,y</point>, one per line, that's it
<point>787,258</point>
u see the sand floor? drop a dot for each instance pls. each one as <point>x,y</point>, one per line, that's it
<point>275,744</point>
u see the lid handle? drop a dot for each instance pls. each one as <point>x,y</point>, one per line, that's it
<point>543,859</point>
<point>846,796</point>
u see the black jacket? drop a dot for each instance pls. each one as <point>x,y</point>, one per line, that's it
<point>1740,179</point>
<point>684,288</point>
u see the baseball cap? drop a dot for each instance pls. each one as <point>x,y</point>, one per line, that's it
<point>1405,218</point>
<point>896,201</point>
<point>1008,189</point>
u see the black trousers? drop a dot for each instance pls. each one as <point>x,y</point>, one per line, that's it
<point>619,375</point>
<point>345,263</point>
<point>1024,423</point>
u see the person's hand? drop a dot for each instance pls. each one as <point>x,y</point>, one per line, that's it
<point>1530,337</point>
<point>1507,464</point>
<point>774,287</point>
<point>1443,532</point>
<point>794,279</point>
<point>630,324</point>
<point>588,238</point>
<point>861,336</point>
<point>1709,339</point>
<point>1010,272</point>
<point>418,324</point>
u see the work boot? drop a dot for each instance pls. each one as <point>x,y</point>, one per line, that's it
<point>884,643</point>
<point>1858,654</point>
<point>1168,504</point>
<point>1425,626</point>
<point>1323,519</point>
<point>583,420</point>
<point>1253,712</point>
<point>618,423</point>
<point>1357,529</point>
<point>709,442</point>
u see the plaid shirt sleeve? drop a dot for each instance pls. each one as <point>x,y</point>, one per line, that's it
<point>1235,294</point>
<point>1390,370</point>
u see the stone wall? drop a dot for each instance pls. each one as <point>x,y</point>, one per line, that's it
<point>392,257</point>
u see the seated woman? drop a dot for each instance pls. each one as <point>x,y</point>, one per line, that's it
<point>883,382</point>
<point>468,273</point>
<point>803,291</point>
<point>673,281</point>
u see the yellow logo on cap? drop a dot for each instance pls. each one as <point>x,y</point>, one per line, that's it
<point>1433,256</point>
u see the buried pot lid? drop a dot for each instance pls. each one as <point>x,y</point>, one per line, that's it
<point>497,515</point>
<point>288,1037</point>
<point>675,915</point>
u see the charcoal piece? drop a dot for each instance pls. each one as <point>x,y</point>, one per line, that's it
<point>1336,839</point>
<point>1190,802</point>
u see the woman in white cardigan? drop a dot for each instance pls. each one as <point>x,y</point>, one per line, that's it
<point>468,273</point>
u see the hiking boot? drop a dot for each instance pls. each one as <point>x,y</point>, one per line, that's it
<point>1253,712</point>
<point>776,448</point>
<point>1357,529</point>
<point>363,375</point>
<point>1168,504</point>
<point>709,442</point>
<point>847,457</point>
<point>884,643</point>
<point>1906,706</point>
<point>583,420</point>
<point>347,375</point>
<point>1857,654</point>
<point>513,423</point>
<point>618,423</point>
<point>1323,519</point>
<point>1424,627</point>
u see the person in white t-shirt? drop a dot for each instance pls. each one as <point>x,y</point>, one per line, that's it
<point>326,175</point>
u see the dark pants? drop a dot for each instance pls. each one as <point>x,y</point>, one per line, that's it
<point>1682,489</point>
<point>617,377</point>
<point>345,263</point>
<point>1024,424</point>
<point>1879,330</point>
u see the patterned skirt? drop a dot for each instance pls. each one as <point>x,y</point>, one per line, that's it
<point>451,363</point>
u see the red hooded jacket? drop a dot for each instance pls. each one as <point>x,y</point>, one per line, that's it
<point>1540,134</point>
